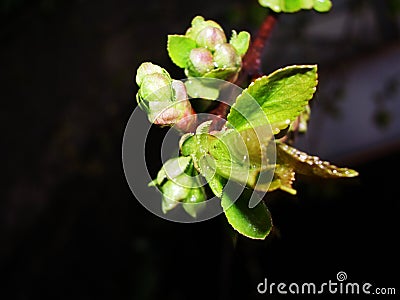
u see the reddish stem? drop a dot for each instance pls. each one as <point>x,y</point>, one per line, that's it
<point>251,64</point>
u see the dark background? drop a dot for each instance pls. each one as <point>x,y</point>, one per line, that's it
<point>70,228</point>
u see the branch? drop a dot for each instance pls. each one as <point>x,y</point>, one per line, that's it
<point>251,64</point>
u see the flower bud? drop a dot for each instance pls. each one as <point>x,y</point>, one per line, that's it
<point>156,87</point>
<point>172,195</point>
<point>182,188</point>
<point>147,68</point>
<point>198,24</point>
<point>195,201</point>
<point>178,112</point>
<point>201,61</point>
<point>225,56</point>
<point>209,37</point>
<point>179,89</point>
<point>163,99</point>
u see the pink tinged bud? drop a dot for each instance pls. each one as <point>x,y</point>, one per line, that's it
<point>169,113</point>
<point>225,56</point>
<point>198,24</point>
<point>179,90</point>
<point>167,116</point>
<point>188,122</point>
<point>179,113</point>
<point>176,111</point>
<point>210,37</point>
<point>201,61</point>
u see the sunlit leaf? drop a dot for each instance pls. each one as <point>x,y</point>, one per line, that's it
<point>283,179</point>
<point>179,47</point>
<point>234,156</point>
<point>254,146</point>
<point>280,96</point>
<point>306,164</point>
<point>222,73</point>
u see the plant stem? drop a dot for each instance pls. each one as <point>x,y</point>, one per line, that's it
<point>251,64</point>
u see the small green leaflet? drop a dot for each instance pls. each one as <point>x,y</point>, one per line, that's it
<point>291,6</point>
<point>276,99</point>
<point>179,47</point>
<point>240,41</point>
<point>173,168</point>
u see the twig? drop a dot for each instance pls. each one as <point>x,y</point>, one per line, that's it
<point>251,64</point>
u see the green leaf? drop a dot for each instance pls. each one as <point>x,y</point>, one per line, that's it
<point>179,47</point>
<point>283,179</point>
<point>228,74</point>
<point>218,156</point>
<point>187,144</point>
<point>216,184</point>
<point>254,222</point>
<point>291,6</point>
<point>306,164</point>
<point>204,128</point>
<point>228,169</point>
<point>173,168</point>
<point>280,96</point>
<point>255,145</point>
<point>322,5</point>
<point>240,41</point>
<point>246,157</point>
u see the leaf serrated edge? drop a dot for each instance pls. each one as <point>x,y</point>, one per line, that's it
<point>266,77</point>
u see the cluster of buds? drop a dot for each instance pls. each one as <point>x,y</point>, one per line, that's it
<point>207,51</point>
<point>164,99</point>
<point>177,186</point>
<point>212,53</point>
